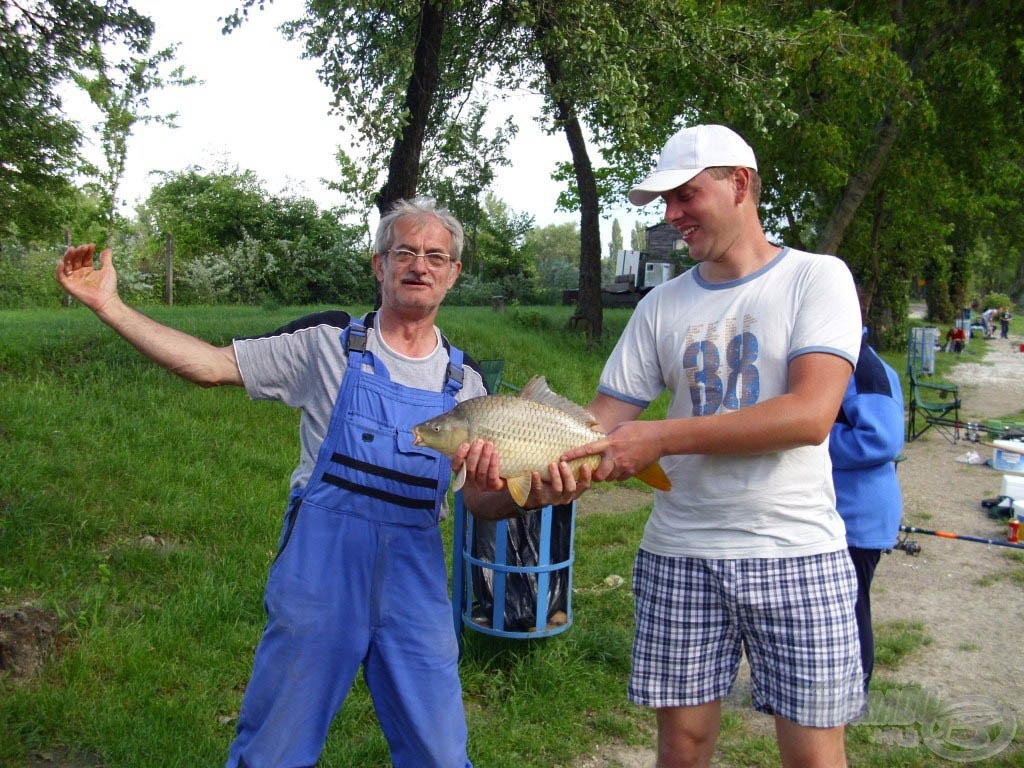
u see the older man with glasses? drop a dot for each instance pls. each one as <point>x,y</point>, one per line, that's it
<point>359,579</point>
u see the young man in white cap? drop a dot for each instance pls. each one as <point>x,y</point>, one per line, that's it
<point>747,551</point>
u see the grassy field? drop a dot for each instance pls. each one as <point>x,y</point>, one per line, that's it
<point>144,513</point>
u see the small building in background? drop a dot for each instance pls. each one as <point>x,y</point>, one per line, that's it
<point>663,240</point>
<point>638,271</point>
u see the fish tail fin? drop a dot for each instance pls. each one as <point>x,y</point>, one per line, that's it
<point>655,477</point>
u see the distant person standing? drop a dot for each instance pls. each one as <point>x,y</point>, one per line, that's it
<point>1005,316</point>
<point>863,445</point>
<point>988,320</point>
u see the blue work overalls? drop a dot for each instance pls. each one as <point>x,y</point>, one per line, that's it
<point>360,579</point>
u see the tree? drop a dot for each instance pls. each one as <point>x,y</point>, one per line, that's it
<point>236,243</point>
<point>397,68</point>
<point>458,168</point>
<point>43,43</point>
<point>638,237</point>
<point>584,50</point>
<point>121,93</point>
<point>616,242</point>
<point>206,212</point>
<point>848,106</point>
<point>885,149</point>
<point>632,96</point>
<point>500,248</point>
<point>865,148</point>
<point>903,205</point>
<point>555,252</point>
<point>554,243</point>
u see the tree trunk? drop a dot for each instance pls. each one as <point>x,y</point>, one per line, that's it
<point>404,164</point>
<point>588,316</point>
<point>857,188</point>
<point>869,286</point>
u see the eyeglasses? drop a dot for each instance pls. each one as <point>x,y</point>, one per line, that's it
<point>435,259</point>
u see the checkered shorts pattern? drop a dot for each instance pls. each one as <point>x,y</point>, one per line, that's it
<point>793,617</point>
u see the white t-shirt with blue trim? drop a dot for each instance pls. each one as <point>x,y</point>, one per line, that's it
<point>720,347</point>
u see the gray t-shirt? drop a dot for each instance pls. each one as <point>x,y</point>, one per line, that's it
<point>302,365</point>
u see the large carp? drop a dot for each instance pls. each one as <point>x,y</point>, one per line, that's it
<point>529,432</point>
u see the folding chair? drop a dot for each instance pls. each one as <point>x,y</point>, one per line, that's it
<point>935,405</point>
<point>492,372</point>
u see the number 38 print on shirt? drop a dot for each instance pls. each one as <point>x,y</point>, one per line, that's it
<point>721,378</point>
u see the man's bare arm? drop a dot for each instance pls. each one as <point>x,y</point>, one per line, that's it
<point>802,416</point>
<point>178,352</point>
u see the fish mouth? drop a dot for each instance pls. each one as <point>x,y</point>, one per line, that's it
<point>416,439</point>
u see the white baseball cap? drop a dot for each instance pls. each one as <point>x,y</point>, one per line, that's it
<point>688,153</point>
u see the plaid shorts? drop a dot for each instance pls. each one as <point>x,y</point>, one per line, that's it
<point>793,617</point>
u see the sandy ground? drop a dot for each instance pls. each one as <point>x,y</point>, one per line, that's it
<point>960,592</point>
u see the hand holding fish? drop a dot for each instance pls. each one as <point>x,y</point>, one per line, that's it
<point>624,452</point>
<point>522,439</point>
<point>558,485</point>
<point>482,465</point>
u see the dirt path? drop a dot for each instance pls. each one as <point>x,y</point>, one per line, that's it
<point>962,593</point>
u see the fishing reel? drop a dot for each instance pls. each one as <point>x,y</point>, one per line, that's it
<point>912,548</point>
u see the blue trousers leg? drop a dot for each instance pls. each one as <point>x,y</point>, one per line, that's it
<point>412,667</point>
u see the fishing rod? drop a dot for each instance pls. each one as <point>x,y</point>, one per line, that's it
<point>948,535</point>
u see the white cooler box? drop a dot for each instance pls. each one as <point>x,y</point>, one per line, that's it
<point>1013,486</point>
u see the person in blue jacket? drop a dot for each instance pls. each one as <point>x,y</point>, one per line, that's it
<point>863,445</point>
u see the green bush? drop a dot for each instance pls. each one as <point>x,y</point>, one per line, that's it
<point>26,277</point>
<point>996,300</point>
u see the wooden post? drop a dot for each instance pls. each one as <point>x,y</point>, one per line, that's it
<point>169,272</point>
<point>66,300</point>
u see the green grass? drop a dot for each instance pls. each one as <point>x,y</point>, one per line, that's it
<point>145,512</point>
<point>896,640</point>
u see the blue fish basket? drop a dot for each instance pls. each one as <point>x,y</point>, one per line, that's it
<point>513,578</point>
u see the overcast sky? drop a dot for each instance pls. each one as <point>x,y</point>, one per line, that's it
<point>261,107</point>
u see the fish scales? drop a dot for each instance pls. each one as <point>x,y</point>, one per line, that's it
<point>527,434</point>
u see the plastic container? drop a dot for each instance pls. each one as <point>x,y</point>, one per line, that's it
<point>921,349</point>
<point>500,584</point>
<point>1007,461</point>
